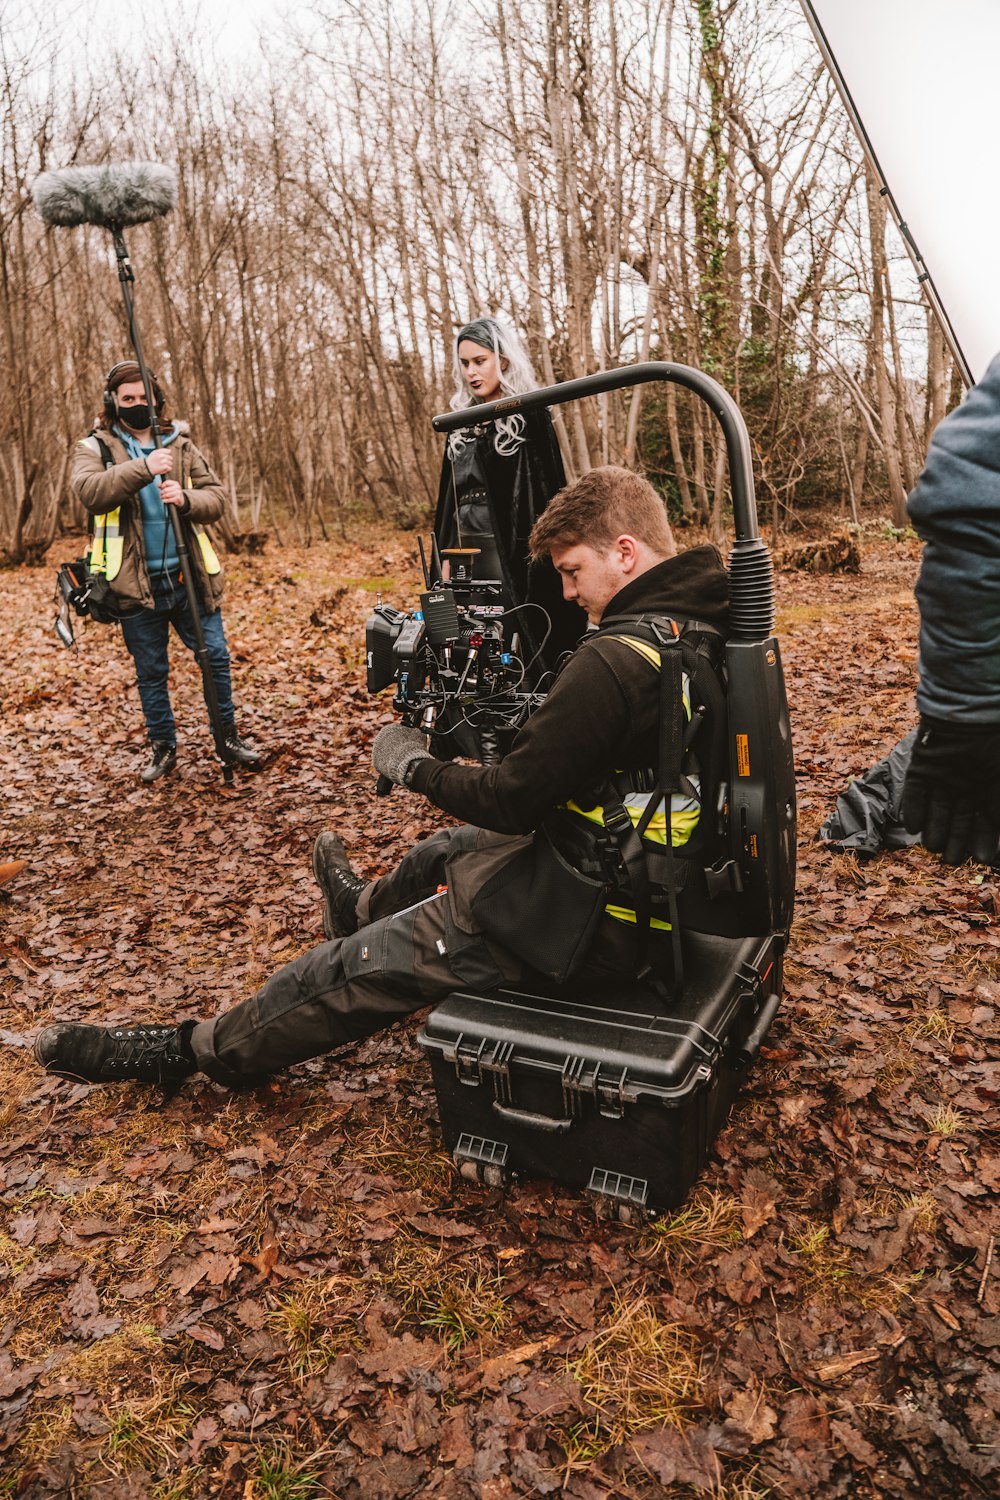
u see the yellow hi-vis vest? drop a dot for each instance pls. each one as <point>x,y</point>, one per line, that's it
<point>107,546</point>
<point>685,811</point>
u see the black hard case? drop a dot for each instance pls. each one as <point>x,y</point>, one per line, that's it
<point>614,1090</point>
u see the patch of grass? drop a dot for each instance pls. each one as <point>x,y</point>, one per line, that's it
<point>145,1406</point>
<point>946,1121</point>
<point>885,1293</point>
<point>637,1372</point>
<point>930,1026</point>
<point>459,1301</point>
<point>388,1149</point>
<point>710,1220</point>
<point>887,1202</point>
<point>309,1322</point>
<point>825,1265</point>
<point>829,1275</point>
<point>16,1087</point>
<point>145,1433</point>
<point>280,1476</point>
<point>901,1062</point>
<point>180,1486</point>
<point>385,585</point>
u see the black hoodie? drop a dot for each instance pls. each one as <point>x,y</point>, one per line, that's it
<point>601,715</point>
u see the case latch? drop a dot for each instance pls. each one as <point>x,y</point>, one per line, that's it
<point>498,1066</point>
<point>580,1082</point>
<point>468,1061</point>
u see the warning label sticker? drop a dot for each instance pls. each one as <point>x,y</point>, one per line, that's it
<point>743,755</point>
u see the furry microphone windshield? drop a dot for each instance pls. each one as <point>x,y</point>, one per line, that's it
<point>112,197</point>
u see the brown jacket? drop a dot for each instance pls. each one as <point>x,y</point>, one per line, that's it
<point>101,490</point>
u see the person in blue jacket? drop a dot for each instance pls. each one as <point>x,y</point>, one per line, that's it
<point>952,788</point>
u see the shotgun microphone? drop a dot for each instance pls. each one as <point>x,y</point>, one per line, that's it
<point>111,196</point>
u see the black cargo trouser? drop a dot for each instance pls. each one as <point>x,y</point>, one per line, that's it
<point>415,945</point>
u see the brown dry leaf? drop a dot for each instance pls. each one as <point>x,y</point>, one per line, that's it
<point>492,1372</point>
<point>82,1301</point>
<point>751,1411</point>
<point>203,1435</point>
<point>446,1229</point>
<point>267,1258</point>
<point>455,1442</point>
<point>947,1318</point>
<point>202,1334</point>
<point>758,1201</point>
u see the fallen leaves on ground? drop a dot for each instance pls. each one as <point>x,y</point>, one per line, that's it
<point>286,1291</point>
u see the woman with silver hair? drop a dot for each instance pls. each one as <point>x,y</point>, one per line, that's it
<point>496,480</point>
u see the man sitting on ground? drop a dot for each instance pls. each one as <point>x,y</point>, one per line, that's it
<point>416,934</point>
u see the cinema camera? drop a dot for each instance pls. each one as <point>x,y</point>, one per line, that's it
<point>452,662</point>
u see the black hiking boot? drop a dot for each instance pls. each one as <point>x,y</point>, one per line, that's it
<point>241,753</point>
<point>164,760</point>
<point>107,1054</point>
<point>340,886</point>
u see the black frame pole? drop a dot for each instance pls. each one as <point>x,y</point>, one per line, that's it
<point>717,397</point>
<point>126,277</point>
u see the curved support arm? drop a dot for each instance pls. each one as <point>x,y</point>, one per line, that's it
<point>716,396</point>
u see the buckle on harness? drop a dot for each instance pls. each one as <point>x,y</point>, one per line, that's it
<point>616,819</point>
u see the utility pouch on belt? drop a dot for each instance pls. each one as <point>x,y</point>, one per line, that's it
<point>542,909</point>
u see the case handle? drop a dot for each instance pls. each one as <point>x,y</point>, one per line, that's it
<point>529,1118</point>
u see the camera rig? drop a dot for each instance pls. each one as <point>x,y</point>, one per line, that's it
<point>454,662</point>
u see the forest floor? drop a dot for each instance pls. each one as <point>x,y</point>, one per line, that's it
<point>286,1293</point>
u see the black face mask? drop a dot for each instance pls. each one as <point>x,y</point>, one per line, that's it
<point>136,417</point>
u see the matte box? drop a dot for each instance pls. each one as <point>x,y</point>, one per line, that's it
<point>614,1090</point>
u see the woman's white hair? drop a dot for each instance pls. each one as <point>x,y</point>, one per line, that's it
<point>518,377</point>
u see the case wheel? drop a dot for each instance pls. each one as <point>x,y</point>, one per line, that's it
<point>618,1197</point>
<point>478,1159</point>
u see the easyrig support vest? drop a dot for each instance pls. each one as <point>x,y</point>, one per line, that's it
<point>733,875</point>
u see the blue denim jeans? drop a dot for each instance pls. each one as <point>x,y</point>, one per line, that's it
<point>146,634</point>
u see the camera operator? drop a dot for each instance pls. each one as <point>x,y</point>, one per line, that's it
<point>952,790</point>
<point>126,483</point>
<point>420,931</point>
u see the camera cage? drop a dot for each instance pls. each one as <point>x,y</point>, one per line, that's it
<point>453,660</point>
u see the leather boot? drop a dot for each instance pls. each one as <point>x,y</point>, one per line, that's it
<point>164,760</point>
<point>340,886</point>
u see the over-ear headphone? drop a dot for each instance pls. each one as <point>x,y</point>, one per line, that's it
<point>108,394</point>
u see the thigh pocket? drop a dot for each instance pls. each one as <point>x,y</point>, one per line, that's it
<point>364,953</point>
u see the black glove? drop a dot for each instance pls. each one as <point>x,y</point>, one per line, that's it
<point>951,795</point>
<point>395,751</point>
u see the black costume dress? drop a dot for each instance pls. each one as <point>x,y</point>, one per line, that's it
<point>491,501</point>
